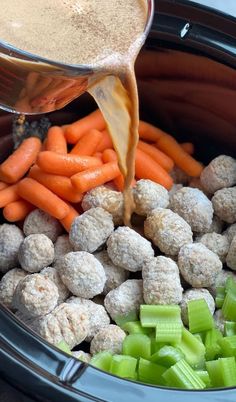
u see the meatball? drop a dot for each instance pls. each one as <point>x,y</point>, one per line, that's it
<point>195,294</point>
<point>115,276</point>
<point>219,321</point>
<point>128,249</point>
<point>62,246</point>
<point>108,199</point>
<point>216,226</point>
<point>52,274</point>
<point>125,299</point>
<point>220,173</point>
<point>230,232</point>
<point>221,280</point>
<point>35,296</point>
<point>36,252</point>
<point>97,315</point>
<point>68,322</point>
<point>174,188</point>
<point>161,281</point>
<point>193,206</point>
<point>149,195</point>
<point>108,339</point>
<point>11,238</point>
<point>199,265</point>
<point>8,285</point>
<point>217,243</point>
<point>82,274</point>
<point>231,256</point>
<point>224,204</point>
<point>90,230</point>
<point>167,230</point>
<point>81,355</point>
<point>39,222</point>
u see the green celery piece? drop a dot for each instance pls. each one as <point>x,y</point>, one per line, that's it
<point>122,319</point>
<point>62,345</point>
<point>204,377</point>
<point>167,356</point>
<point>219,301</point>
<point>199,316</point>
<point>134,327</point>
<point>214,371</point>
<point>192,348</point>
<point>220,296</point>
<point>198,337</point>
<point>229,306</point>
<point>102,360</point>
<point>230,328</point>
<point>137,345</point>
<point>169,331</point>
<point>181,375</point>
<point>222,372</point>
<point>228,346</point>
<point>124,366</point>
<point>230,285</point>
<point>150,372</point>
<point>212,346</point>
<point>155,346</point>
<point>151,315</point>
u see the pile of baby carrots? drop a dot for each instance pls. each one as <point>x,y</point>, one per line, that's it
<point>75,158</point>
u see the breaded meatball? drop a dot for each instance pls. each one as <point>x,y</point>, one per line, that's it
<point>81,355</point>
<point>217,243</point>
<point>35,296</point>
<point>224,204</point>
<point>167,230</point>
<point>90,230</point>
<point>106,198</point>
<point>221,280</point>
<point>36,252</point>
<point>220,173</point>
<point>230,232</point>
<point>216,226</point>
<point>62,246</point>
<point>219,321</point>
<point>108,339</point>
<point>149,195</point>
<point>82,274</point>
<point>161,281</point>
<point>52,274</point>
<point>39,222</point>
<point>174,188</point>
<point>231,256</point>
<point>195,294</point>
<point>68,322</point>
<point>8,285</point>
<point>195,182</point>
<point>11,238</point>
<point>125,299</point>
<point>97,315</point>
<point>194,207</point>
<point>115,276</point>
<point>128,250</point>
<point>199,265</point>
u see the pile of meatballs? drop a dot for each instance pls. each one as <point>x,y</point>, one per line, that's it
<point>77,287</point>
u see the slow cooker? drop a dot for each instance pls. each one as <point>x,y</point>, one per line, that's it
<point>187,86</point>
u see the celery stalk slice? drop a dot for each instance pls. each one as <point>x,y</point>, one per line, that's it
<point>122,319</point>
<point>150,373</point>
<point>137,345</point>
<point>151,315</point>
<point>213,348</point>
<point>155,346</point>
<point>135,327</point>
<point>230,328</point>
<point>181,375</point>
<point>204,377</point>
<point>222,372</point>
<point>229,306</point>
<point>169,331</point>
<point>199,315</point>
<point>193,349</point>
<point>102,360</point>
<point>228,346</point>
<point>124,366</point>
<point>167,356</point>
<point>64,347</point>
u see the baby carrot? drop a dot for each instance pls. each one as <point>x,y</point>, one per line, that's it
<point>67,221</point>
<point>85,181</point>
<point>56,141</point>
<point>60,185</point>
<point>147,168</point>
<point>65,165</point>
<point>158,156</point>
<point>8,194</point>
<point>76,130</point>
<point>3,185</point>
<point>184,161</point>
<point>87,145</point>
<point>106,142</point>
<point>17,211</point>
<point>149,132</point>
<point>188,147</point>
<point>109,155</point>
<point>98,155</point>
<point>38,195</point>
<point>19,162</point>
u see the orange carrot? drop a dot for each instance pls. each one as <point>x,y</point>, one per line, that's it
<point>60,185</point>
<point>76,130</point>
<point>184,161</point>
<point>147,168</point>
<point>56,141</point>
<point>188,147</point>
<point>3,185</point>
<point>8,194</point>
<point>87,145</point>
<point>149,132</point>
<point>105,143</point>
<point>85,181</point>
<point>68,220</point>
<point>38,195</point>
<point>98,155</point>
<point>109,155</point>
<point>65,165</point>
<point>17,211</point>
<point>19,162</point>
<point>158,156</point>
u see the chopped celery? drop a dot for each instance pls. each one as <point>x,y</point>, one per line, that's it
<point>230,285</point>
<point>181,375</point>
<point>229,306</point>
<point>169,331</point>
<point>151,315</point>
<point>167,356</point>
<point>122,319</point>
<point>124,366</point>
<point>150,373</point>
<point>193,349</point>
<point>230,328</point>
<point>137,345</point>
<point>222,372</point>
<point>204,377</point>
<point>64,347</point>
<point>220,296</point>
<point>134,327</point>
<point>198,337</point>
<point>228,346</point>
<point>211,343</point>
<point>102,360</point>
<point>155,346</point>
<point>199,316</point>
